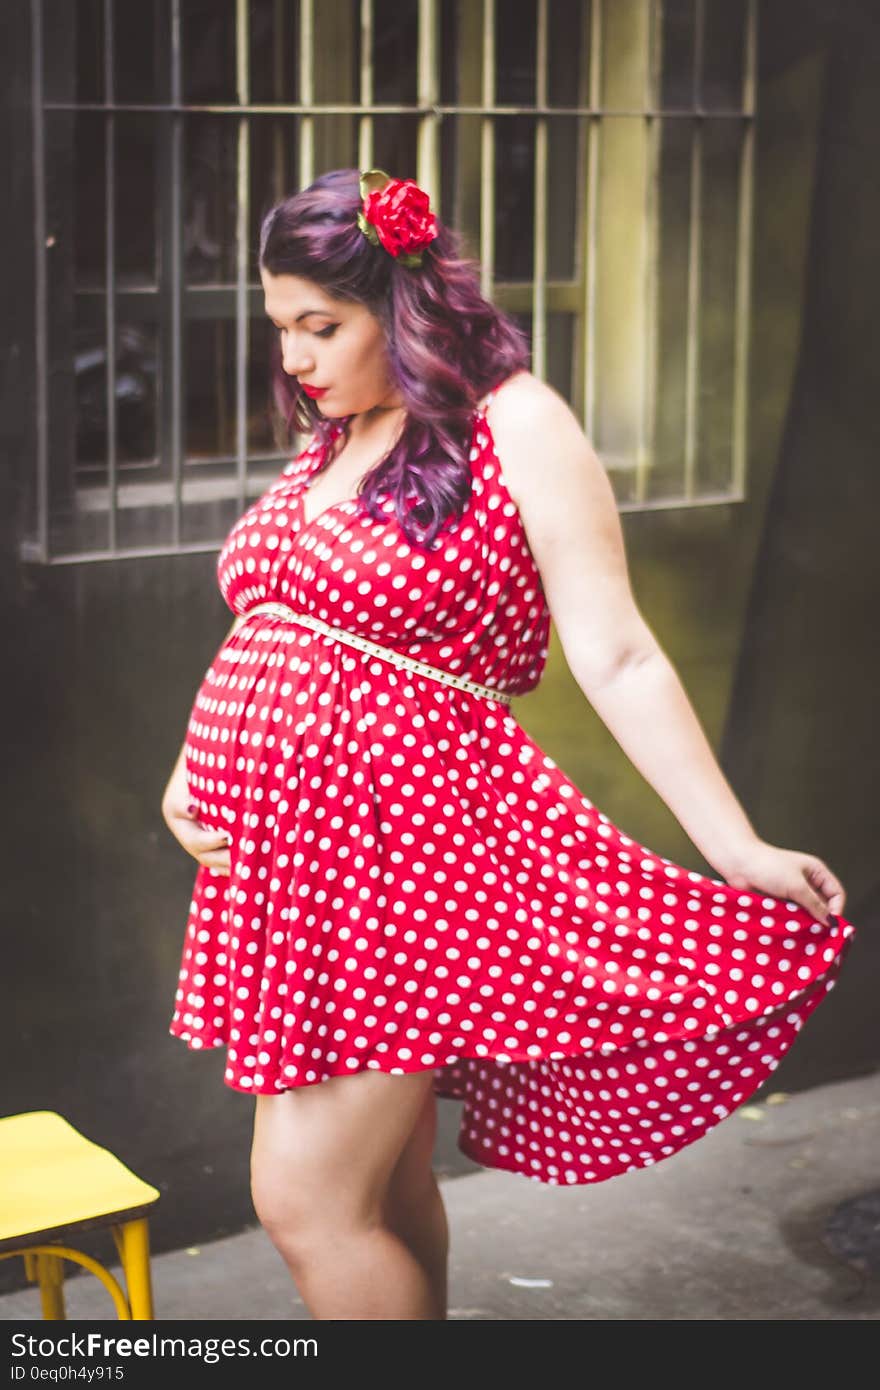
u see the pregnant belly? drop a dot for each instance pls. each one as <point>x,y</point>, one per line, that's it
<point>251,723</point>
<point>214,787</point>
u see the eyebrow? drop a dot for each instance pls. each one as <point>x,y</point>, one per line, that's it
<point>305,314</point>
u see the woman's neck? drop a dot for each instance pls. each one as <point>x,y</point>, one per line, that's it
<point>376,421</point>
<point>376,424</point>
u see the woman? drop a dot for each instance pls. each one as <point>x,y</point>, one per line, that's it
<point>399,895</point>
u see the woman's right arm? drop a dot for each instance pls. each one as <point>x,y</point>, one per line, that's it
<point>574,532</point>
<point>179,811</point>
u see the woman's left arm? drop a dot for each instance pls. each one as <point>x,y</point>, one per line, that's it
<point>573,528</point>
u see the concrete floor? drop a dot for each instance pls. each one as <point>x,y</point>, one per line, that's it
<point>752,1222</point>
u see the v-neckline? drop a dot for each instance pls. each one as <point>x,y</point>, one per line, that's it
<point>321,455</point>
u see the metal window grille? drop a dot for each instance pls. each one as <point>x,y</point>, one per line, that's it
<point>597,155</point>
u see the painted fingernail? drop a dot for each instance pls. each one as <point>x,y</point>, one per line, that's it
<point>192,807</point>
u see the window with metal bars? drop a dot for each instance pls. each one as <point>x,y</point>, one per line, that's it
<point>596,155</point>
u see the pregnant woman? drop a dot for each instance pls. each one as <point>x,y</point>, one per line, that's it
<point>400,896</point>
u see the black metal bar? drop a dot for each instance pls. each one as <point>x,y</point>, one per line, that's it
<point>110,278</point>
<point>176,274</point>
<point>150,306</point>
<point>699,51</point>
<point>242,319</point>
<point>41,283</point>
<point>143,552</point>
<point>356,109</point>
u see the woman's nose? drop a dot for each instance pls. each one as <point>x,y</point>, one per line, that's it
<point>295,361</point>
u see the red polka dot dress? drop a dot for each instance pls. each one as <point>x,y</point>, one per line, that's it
<point>415,885</point>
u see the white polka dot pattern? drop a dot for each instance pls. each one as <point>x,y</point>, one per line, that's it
<point>416,886</point>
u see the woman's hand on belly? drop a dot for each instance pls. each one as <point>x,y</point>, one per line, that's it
<point>208,847</point>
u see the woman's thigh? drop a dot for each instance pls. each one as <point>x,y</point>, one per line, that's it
<point>413,1175</point>
<point>340,1139</point>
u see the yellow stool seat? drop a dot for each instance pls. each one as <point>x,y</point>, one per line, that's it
<point>55,1184</point>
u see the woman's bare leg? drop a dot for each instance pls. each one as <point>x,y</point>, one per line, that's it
<point>414,1207</point>
<point>321,1163</point>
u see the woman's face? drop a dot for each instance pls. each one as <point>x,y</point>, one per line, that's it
<point>330,343</point>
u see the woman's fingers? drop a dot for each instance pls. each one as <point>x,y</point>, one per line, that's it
<point>209,847</point>
<point>824,887</point>
<point>217,859</point>
<point>814,904</point>
<point>211,839</point>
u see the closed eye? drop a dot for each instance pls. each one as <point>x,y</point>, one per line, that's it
<point>319,332</point>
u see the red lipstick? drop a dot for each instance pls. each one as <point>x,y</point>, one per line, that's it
<point>315,391</point>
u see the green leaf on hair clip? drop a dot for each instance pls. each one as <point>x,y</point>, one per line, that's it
<point>368,229</point>
<point>373,181</point>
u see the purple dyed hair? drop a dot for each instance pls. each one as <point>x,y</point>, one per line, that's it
<point>447,345</point>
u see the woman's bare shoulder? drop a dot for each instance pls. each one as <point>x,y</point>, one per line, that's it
<point>530,420</point>
<point>523,396</point>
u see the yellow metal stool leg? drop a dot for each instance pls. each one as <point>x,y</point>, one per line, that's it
<point>64,1252</point>
<point>50,1277</point>
<point>133,1243</point>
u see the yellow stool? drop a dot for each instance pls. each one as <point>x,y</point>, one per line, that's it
<point>55,1183</point>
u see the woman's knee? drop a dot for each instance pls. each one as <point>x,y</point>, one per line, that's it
<point>285,1200</point>
<point>295,1190</point>
<point>305,1229</point>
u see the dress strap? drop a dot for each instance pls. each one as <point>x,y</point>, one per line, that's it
<point>490,395</point>
<point>488,399</point>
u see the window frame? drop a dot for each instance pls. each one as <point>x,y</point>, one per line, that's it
<point>319,145</point>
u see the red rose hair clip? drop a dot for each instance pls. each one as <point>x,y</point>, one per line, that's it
<point>396,214</point>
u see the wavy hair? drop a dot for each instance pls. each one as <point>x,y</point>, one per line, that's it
<point>447,345</point>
